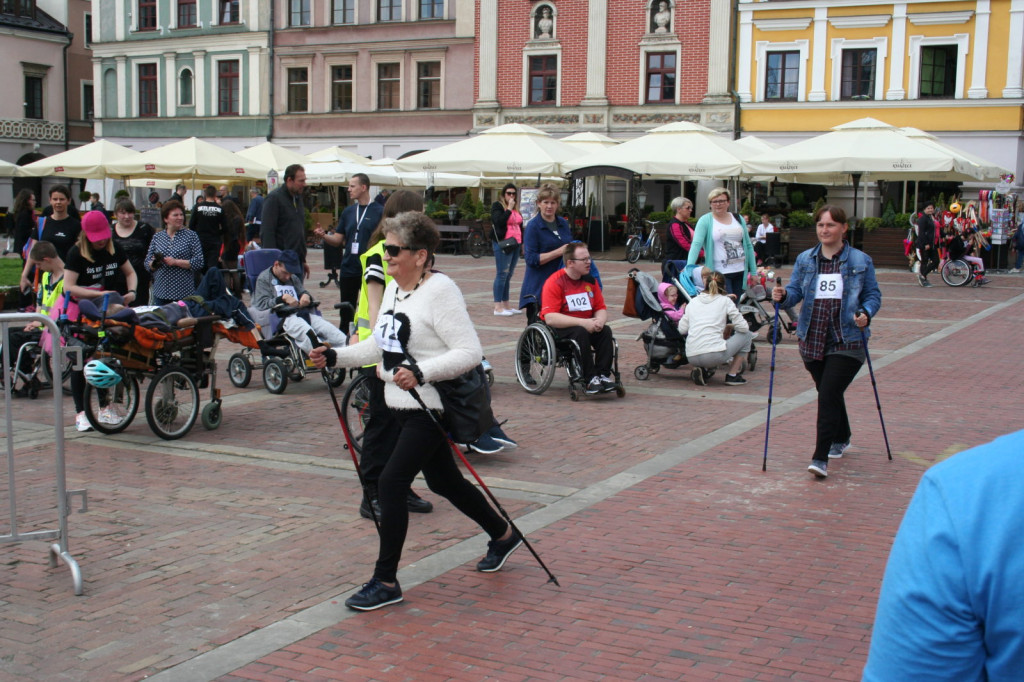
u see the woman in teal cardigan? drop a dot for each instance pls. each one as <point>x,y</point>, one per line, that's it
<point>735,259</point>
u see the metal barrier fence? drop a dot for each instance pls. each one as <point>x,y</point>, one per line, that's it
<point>10,376</point>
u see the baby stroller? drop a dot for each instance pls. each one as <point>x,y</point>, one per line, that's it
<point>665,346</point>
<point>752,307</point>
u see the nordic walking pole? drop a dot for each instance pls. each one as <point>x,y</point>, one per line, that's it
<point>456,450</point>
<point>325,375</point>
<point>771,377</point>
<point>874,385</point>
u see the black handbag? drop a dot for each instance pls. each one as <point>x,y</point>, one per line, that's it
<point>507,245</point>
<point>467,405</point>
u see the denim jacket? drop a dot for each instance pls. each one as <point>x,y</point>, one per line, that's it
<point>860,289</point>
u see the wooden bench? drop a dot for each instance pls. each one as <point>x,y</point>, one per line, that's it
<point>453,237</point>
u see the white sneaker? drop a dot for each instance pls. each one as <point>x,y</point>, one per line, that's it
<point>110,415</point>
<point>82,422</point>
<point>515,311</point>
<point>503,313</point>
<point>1014,270</point>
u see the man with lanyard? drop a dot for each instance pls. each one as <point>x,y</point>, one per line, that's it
<point>284,218</point>
<point>209,225</point>
<point>572,304</point>
<point>279,284</point>
<point>254,216</point>
<point>355,226</point>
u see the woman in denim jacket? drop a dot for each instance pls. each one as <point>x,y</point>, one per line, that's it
<point>837,284</point>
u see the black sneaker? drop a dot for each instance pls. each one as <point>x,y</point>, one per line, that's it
<point>364,508</point>
<point>594,386</point>
<point>607,383</point>
<point>417,504</point>
<point>819,467</point>
<point>498,551</point>
<point>373,595</point>
<point>735,379</point>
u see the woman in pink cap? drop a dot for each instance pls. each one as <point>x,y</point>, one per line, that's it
<point>90,272</point>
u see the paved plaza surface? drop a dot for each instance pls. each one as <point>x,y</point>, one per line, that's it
<point>227,554</point>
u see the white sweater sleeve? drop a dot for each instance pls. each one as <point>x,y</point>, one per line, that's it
<point>454,328</point>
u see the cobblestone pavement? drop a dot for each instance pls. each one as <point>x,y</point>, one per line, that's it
<point>227,554</point>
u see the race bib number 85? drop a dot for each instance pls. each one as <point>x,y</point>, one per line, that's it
<point>829,286</point>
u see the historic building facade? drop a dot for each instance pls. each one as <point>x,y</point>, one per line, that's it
<point>954,68</point>
<point>170,69</point>
<point>618,68</point>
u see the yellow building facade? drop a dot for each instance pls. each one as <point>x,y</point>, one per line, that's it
<point>953,68</point>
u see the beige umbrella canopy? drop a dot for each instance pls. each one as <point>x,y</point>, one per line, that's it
<point>90,161</point>
<point>422,179</point>
<point>676,150</point>
<point>273,156</point>
<point>512,149</point>
<point>340,172</point>
<point>989,171</point>
<point>590,142</point>
<point>871,148</point>
<point>9,170</point>
<point>336,154</point>
<point>192,158</point>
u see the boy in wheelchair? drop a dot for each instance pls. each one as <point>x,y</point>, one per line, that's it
<point>278,285</point>
<point>573,306</point>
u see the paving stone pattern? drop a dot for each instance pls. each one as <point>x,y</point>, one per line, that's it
<point>227,554</point>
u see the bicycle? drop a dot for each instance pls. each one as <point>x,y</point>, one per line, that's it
<point>476,243</point>
<point>637,246</point>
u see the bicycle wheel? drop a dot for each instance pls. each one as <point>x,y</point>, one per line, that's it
<point>355,410</point>
<point>956,273</point>
<point>119,405</point>
<point>535,359</point>
<point>477,245</point>
<point>172,403</point>
<point>634,247</point>
<point>656,249</point>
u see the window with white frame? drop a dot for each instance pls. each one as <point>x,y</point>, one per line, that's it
<point>186,88</point>
<point>660,78</point>
<point>343,12</point>
<point>229,11</point>
<point>859,67</point>
<point>33,96</point>
<point>431,9</point>
<point>543,80</point>
<point>227,88</point>
<point>937,66</point>
<point>341,87</point>
<point>389,86</point>
<point>298,90</point>
<point>149,91</point>
<point>428,85</point>
<point>782,76</point>
<point>389,10</point>
<point>88,101</point>
<point>298,12</point>
<point>146,15</point>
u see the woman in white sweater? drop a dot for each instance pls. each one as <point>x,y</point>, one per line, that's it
<point>704,324</point>
<point>423,334</point>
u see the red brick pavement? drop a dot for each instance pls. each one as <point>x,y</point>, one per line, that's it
<point>707,569</point>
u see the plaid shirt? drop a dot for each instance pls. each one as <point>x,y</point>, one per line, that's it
<point>824,334</point>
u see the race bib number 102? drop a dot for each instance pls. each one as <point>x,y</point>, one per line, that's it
<point>578,302</point>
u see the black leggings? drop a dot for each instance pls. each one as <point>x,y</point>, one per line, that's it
<point>379,434</point>
<point>421,447</point>
<point>831,377</point>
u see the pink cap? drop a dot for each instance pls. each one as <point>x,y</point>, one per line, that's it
<point>96,226</point>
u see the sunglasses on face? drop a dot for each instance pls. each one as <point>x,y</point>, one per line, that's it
<point>394,249</point>
<point>510,193</point>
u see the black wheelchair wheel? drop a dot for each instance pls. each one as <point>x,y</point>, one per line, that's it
<point>119,405</point>
<point>956,273</point>
<point>239,370</point>
<point>172,403</point>
<point>275,376</point>
<point>355,410</point>
<point>535,359</point>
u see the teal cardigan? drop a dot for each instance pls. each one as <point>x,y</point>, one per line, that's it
<point>703,239</point>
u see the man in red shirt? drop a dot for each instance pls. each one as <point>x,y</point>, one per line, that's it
<point>572,304</point>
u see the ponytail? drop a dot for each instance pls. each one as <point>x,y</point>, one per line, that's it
<point>714,282</point>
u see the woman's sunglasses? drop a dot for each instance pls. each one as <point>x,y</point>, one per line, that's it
<point>394,249</point>
<point>511,194</point>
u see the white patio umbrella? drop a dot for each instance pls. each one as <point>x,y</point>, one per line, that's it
<point>756,145</point>
<point>990,172</point>
<point>90,161</point>
<point>513,150</point>
<point>866,148</point>
<point>336,154</point>
<point>590,142</point>
<point>190,159</point>
<point>423,179</point>
<point>340,172</point>
<point>273,156</point>
<point>676,150</point>
<point>9,170</point>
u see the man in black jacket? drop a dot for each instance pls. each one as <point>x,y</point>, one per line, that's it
<point>284,217</point>
<point>208,223</point>
<point>926,244</point>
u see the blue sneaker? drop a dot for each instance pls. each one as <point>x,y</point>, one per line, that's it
<point>373,595</point>
<point>498,435</point>
<point>486,445</point>
<point>837,450</point>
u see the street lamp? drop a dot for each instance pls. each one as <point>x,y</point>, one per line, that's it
<point>641,199</point>
<point>271,180</point>
<point>453,212</point>
<point>564,194</point>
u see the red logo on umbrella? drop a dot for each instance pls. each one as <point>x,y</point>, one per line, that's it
<point>240,171</point>
<point>58,169</point>
<point>150,166</point>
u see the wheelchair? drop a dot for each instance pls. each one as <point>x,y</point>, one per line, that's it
<point>539,353</point>
<point>280,358</point>
<point>29,372</point>
<point>957,272</point>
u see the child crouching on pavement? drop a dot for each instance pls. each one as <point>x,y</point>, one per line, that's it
<point>704,324</point>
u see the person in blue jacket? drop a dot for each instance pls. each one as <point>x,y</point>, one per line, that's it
<point>840,295</point>
<point>950,605</point>
<point>543,239</point>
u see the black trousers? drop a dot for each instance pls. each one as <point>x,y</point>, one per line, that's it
<point>598,363</point>
<point>929,260</point>
<point>349,288</point>
<point>831,377</point>
<point>380,433</point>
<point>421,447</point>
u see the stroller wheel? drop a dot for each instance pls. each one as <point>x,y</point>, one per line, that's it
<point>752,358</point>
<point>641,372</point>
